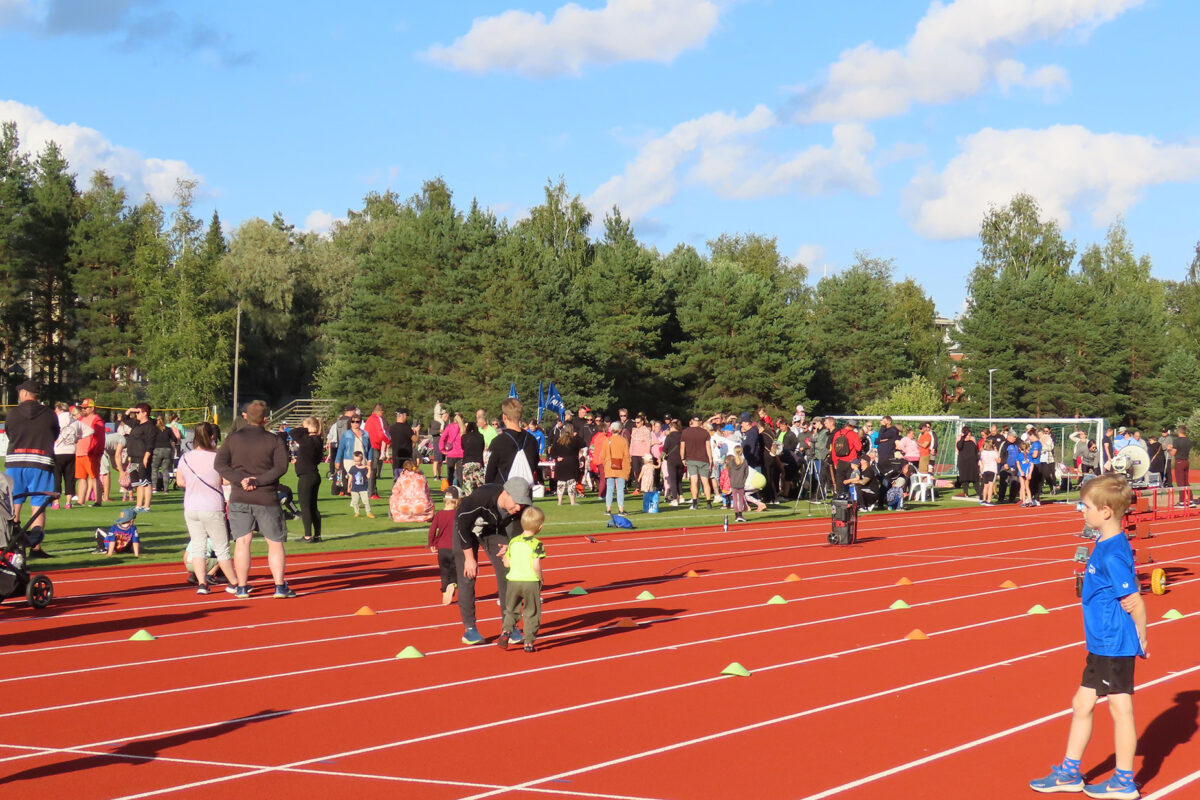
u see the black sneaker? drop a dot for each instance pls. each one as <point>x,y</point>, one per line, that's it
<point>282,590</point>
<point>38,552</point>
<point>502,642</point>
<point>694,506</point>
<point>710,505</point>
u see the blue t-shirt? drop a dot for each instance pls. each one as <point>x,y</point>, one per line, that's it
<point>1024,464</point>
<point>1110,575</point>
<point>358,479</point>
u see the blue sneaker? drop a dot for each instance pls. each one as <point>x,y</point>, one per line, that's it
<point>471,636</point>
<point>242,593</point>
<point>1059,780</point>
<point>516,637</point>
<point>282,590</point>
<point>1116,787</point>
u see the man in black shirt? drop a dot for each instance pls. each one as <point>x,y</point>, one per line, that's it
<point>401,435</point>
<point>511,439</point>
<point>885,443</point>
<point>489,516</point>
<point>139,445</point>
<point>1181,450</point>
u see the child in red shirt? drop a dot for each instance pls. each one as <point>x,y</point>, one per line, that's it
<point>441,542</point>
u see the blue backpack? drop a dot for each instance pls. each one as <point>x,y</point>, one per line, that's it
<point>618,521</point>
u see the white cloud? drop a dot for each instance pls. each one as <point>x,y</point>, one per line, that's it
<point>954,52</point>
<point>811,256</point>
<point>320,222</point>
<point>1065,167</point>
<point>86,150</point>
<point>623,30</point>
<point>718,151</point>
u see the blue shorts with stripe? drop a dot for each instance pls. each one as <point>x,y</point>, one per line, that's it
<point>31,479</point>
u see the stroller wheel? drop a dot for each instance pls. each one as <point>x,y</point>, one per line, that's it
<point>40,591</point>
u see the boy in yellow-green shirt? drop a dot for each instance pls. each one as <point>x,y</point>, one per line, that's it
<point>523,557</point>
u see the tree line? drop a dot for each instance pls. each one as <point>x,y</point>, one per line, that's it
<point>416,300</point>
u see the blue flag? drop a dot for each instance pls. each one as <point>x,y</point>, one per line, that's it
<point>554,401</point>
<point>512,391</point>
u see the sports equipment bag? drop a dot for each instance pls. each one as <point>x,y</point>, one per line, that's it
<point>845,522</point>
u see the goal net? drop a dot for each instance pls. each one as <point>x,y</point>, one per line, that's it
<point>947,430</point>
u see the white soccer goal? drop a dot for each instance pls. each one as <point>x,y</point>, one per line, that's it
<point>948,427</point>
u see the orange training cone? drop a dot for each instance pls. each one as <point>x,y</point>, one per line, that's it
<point>792,578</point>
<point>691,573</point>
<point>1008,585</point>
<point>903,582</point>
<point>365,611</point>
<point>916,635</point>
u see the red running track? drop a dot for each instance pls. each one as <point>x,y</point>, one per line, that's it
<point>625,697</point>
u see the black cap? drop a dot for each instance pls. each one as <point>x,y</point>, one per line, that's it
<point>30,386</point>
<point>400,411</point>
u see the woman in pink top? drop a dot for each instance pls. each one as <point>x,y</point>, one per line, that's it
<point>908,447</point>
<point>451,446</point>
<point>204,505</point>
<point>639,444</point>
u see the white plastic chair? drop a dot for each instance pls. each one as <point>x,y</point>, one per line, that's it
<point>921,488</point>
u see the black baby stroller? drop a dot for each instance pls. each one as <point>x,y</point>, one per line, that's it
<point>14,545</point>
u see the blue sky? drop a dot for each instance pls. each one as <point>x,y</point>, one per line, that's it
<point>881,126</point>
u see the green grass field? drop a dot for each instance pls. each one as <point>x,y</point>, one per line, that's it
<point>70,534</point>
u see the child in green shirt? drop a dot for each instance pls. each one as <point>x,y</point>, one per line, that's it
<point>523,557</point>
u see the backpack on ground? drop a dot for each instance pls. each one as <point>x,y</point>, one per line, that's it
<point>618,521</point>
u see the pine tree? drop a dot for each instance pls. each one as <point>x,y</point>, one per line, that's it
<point>16,179</point>
<point>51,217</point>
<point>1023,307</point>
<point>102,253</point>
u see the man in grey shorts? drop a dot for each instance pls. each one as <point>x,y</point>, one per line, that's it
<point>697,459</point>
<point>253,460</point>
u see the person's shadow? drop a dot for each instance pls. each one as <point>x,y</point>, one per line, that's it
<point>1175,726</point>
<point>140,751</point>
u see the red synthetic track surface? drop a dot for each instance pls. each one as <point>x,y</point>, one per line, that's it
<point>302,698</point>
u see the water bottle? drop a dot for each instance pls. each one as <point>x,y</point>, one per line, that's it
<point>725,526</point>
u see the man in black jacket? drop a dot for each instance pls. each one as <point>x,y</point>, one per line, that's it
<point>31,429</point>
<point>139,445</point>
<point>488,516</point>
<point>253,460</point>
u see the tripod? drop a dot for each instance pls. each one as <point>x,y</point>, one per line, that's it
<point>812,480</point>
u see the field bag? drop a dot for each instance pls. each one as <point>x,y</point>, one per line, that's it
<point>844,530</point>
<point>650,502</point>
<point>755,480</point>
<point>618,521</point>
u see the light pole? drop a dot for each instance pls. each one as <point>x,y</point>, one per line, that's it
<point>990,371</point>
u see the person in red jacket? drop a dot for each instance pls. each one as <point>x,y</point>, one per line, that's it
<point>88,449</point>
<point>377,431</point>
<point>844,448</point>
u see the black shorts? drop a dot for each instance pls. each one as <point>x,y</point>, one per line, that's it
<point>1108,674</point>
<point>988,477</point>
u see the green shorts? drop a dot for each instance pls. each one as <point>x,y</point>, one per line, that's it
<point>697,469</point>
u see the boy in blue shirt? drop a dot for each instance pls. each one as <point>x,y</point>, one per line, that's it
<point>119,537</point>
<point>1114,623</point>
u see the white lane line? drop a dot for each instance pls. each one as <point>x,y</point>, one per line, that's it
<point>573,610</point>
<point>986,740</point>
<point>50,751</point>
<point>489,576</point>
<point>460,650</point>
<point>829,707</point>
<point>1179,784</point>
